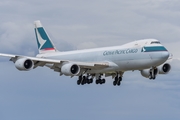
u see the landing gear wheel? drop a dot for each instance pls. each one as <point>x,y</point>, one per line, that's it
<point>78,82</point>
<point>119,83</point>
<point>114,83</point>
<point>103,81</point>
<point>88,81</point>
<point>83,82</point>
<point>91,80</point>
<point>120,78</point>
<point>97,81</point>
<point>152,77</point>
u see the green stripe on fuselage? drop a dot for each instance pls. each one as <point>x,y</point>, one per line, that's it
<point>154,49</point>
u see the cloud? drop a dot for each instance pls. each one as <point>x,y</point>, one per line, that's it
<point>15,36</point>
<point>119,21</point>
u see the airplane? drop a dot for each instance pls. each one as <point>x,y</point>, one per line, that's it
<point>148,56</point>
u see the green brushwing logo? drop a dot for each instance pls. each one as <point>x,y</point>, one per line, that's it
<point>43,40</point>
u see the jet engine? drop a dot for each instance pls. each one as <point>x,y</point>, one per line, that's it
<point>164,68</point>
<point>149,73</point>
<point>70,69</point>
<point>24,64</point>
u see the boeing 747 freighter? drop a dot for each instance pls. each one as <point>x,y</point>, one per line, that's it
<point>148,56</point>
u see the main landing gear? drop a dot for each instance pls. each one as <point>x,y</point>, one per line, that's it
<point>99,80</point>
<point>84,80</point>
<point>117,80</point>
<point>88,79</point>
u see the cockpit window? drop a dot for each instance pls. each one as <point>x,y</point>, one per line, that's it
<point>155,42</point>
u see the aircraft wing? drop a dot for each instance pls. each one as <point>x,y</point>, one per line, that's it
<point>56,63</point>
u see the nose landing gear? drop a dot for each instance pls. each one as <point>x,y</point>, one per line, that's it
<point>153,73</point>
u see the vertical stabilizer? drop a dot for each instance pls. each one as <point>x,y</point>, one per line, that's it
<point>44,42</point>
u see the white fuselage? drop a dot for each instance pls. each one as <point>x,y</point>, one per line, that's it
<point>131,56</point>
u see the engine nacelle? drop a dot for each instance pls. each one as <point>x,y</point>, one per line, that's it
<point>70,69</point>
<point>164,69</point>
<point>147,72</point>
<point>24,64</point>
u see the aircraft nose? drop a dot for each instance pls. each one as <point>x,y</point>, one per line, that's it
<point>165,55</point>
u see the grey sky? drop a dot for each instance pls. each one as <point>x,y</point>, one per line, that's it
<point>41,94</point>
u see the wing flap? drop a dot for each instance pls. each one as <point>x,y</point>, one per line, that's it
<point>91,64</point>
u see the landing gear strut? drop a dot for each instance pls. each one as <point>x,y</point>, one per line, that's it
<point>153,73</point>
